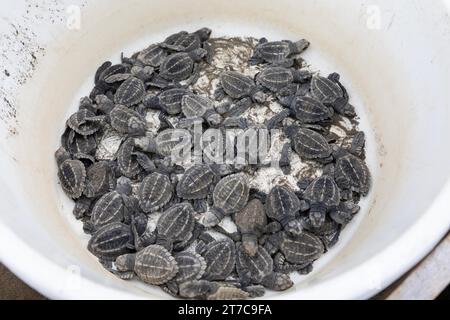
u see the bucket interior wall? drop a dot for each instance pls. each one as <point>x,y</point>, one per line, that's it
<point>392,55</point>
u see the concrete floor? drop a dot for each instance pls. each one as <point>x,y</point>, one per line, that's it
<point>12,288</point>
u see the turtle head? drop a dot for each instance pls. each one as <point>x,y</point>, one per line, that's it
<point>124,186</point>
<point>300,46</point>
<point>198,54</point>
<point>203,33</point>
<point>250,244</point>
<point>151,101</point>
<point>136,126</point>
<point>294,227</point>
<point>125,262</point>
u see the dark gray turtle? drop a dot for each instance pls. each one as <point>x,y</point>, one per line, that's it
<point>281,265</point>
<point>282,204</point>
<point>173,141</point>
<point>325,90</point>
<point>82,208</point>
<point>277,78</point>
<point>277,282</point>
<point>344,212</point>
<point>273,122</point>
<point>85,122</point>
<point>175,225</point>
<point>238,86</point>
<point>76,143</point>
<point>168,101</point>
<point>155,192</point>
<point>220,259</point>
<point>100,179</point>
<point>309,110</point>
<point>196,182</point>
<point>153,265</point>
<point>228,293</point>
<point>251,223</point>
<point>152,56</point>
<point>322,195</point>
<point>127,160</point>
<point>230,196</point>
<point>199,106</point>
<point>309,145</point>
<point>328,232</point>
<point>342,105</point>
<point>127,121</point>
<point>114,206</point>
<point>278,52</point>
<point>110,71</point>
<point>111,241</point>
<point>130,92</point>
<point>299,249</point>
<point>191,266</point>
<point>71,174</point>
<point>181,66</point>
<point>253,269</point>
<point>198,289</point>
<point>351,173</point>
<point>185,42</point>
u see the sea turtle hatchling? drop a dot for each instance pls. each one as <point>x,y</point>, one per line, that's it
<point>196,182</point>
<point>299,249</point>
<point>277,78</point>
<point>351,173</point>
<point>230,196</point>
<point>251,223</point>
<point>238,86</point>
<point>199,106</point>
<point>168,101</point>
<point>278,52</point>
<point>322,195</point>
<point>309,110</point>
<point>100,179</point>
<point>71,174</point>
<point>185,42</point>
<point>220,259</point>
<point>111,241</point>
<point>309,144</point>
<point>152,56</point>
<point>172,142</point>
<point>85,122</point>
<point>325,90</point>
<point>228,293</point>
<point>153,265</point>
<point>127,121</point>
<point>76,143</point>
<point>114,206</point>
<point>130,92</point>
<point>181,66</point>
<point>191,266</point>
<point>282,204</point>
<point>253,269</point>
<point>154,192</point>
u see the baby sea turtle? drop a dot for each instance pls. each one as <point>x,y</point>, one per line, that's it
<point>278,52</point>
<point>309,110</point>
<point>155,192</point>
<point>199,106</point>
<point>238,86</point>
<point>130,92</point>
<point>325,90</point>
<point>152,56</point>
<point>127,160</point>
<point>114,206</point>
<point>277,78</point>
<point>322,194</point>
<point>251,222</point>
<point>191,266</point>
<point>111,241</point>
<point>230,196</point>
<point>351,173</point>
<point>342,105</point>
<point>168,101</point>
<point>328,232</point>
<point>228,293</point>
<point>196,182</point>
<point>253,269</point>
<point>309,145</point>
<point>344,212</point>
<point>198,289</point>
<point>100,179</point>
<point>175,225</point>
<point>153,265</point>
<point>127,121</point>
<point>220,259</point>
<point>299,249</point>
<point>71,174</point>
<point>85,122</point>
<point>277,282</point>
<point>180,66</point>
<point>172,142</point>
<point>185,42</point>
<point>76,143</point>
<point>281,205</point>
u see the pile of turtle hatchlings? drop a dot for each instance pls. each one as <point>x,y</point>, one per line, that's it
<point>276,234</point>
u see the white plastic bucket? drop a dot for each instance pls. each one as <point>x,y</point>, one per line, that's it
<point>393,56</point>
